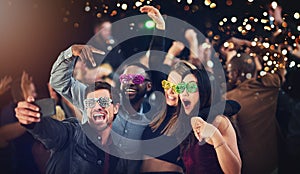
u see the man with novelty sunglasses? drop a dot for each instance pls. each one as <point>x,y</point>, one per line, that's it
<point>76,148</point>
<point>135,84</point>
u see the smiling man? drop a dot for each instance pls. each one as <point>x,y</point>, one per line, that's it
<point>76,148</point>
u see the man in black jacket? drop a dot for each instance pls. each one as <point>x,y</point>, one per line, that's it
<point>76,148</point>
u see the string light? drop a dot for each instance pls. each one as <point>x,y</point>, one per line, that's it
<point>296,15</point>
<point>138,3</point>
<point>234,19</point>
<point>248,27</point>
<point>274,4</point>
<point>213,5</point>
<point>124,6</point>
<point>207,2</point>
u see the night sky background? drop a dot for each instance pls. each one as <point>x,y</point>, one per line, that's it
<point>34,32</point>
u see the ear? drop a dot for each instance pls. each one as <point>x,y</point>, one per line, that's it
<point>149,86</point>
<point>116,108</point>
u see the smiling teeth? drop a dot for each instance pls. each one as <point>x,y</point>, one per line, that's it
<point>98,115</point>
<point>130,90</point>
<point>171,98</point>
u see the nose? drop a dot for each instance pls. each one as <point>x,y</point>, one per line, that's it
<point>170,91</point>
<point>185,93</point>
<point>98,107</point>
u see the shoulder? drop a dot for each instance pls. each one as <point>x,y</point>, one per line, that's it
<point>71,120</point>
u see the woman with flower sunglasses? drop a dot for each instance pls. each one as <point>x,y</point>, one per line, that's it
<point>172,125</point>
<point>212,146</point>
<point>169,162</point>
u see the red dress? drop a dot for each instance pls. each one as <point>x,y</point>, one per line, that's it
<point>201,159</point>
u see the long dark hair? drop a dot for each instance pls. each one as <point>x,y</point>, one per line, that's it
<point>209,94</point>
<point>181,67</point>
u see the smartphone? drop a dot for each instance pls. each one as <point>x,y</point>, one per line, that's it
<point>47,106</point>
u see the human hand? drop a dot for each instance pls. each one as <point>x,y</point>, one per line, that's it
<point>26,112</point>
<point>85,53</point>
<point>155,15</point>
<point>26,81</point>
<point>202,129</point>
<point>190,35</point>
<point>5,84</point>
<point>228,53</point>
<point>176,48</point>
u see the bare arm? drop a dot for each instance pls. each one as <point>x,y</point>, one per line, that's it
<point>174,50</point>
<point>222,136</point>
<point>191,37</point>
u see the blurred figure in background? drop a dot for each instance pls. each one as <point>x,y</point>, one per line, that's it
<point>103,40</point>
<point>5,84</point>
<point>16,143</point>
<point>256,120</point>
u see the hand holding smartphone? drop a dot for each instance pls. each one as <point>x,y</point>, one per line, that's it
<point>47,106</point>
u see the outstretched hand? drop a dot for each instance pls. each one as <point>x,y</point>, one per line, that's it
<point>155,15</point>
<point>5,84</point>
<point>84,52</point>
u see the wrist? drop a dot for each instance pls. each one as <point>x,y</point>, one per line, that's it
<point>219,145</point>
<point>161,26</point>
<point>170,56</point>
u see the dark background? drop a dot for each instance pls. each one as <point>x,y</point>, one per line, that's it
<point>34,32</point>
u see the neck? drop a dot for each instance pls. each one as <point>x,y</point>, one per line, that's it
<point>133,107</point>
<point>104,135</point>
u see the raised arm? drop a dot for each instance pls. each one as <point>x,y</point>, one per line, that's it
<point>61,78</point>
<point>156,52</point>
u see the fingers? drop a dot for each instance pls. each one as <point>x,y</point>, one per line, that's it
<point>27,113</point>
<point>28,106</point>
<point>27,119</point>
<point>202,129</point>
<point>30,99</point>
<point>147,8</point>
<point>86,53</point>
<point>7,79</point>
<point>95,50</point>
<point>197,121</point>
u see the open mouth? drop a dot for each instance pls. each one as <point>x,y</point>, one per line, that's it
<point>99,116</point>
<point>186,103</point>
<point>130,91</point>
<point>171,97</point>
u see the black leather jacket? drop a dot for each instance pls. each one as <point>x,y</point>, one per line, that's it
<point>71,149</point>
